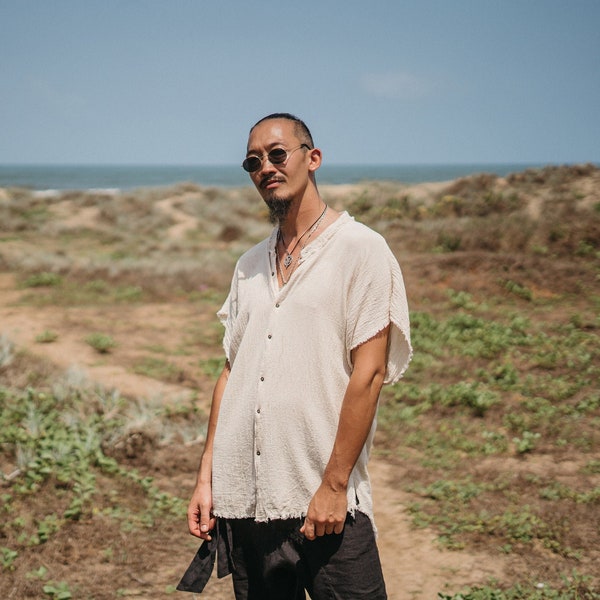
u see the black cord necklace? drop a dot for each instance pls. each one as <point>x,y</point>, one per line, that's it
<point>287,261</point>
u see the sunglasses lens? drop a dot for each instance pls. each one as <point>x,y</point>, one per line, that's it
<point>252,163</point>
<point>277,156</point>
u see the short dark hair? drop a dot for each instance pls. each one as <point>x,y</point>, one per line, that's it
<point>300,129</point>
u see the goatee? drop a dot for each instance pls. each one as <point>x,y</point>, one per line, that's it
<point>278,209</point>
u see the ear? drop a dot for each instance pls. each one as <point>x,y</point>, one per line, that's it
<point>315,159</point>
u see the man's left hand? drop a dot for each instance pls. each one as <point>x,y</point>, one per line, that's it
<point>326,513</point>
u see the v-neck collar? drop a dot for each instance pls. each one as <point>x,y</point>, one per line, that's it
<point>311,248</point>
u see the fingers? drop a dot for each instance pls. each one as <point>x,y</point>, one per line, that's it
<point>193,520</point>
<point>312,530</point>
<point>201,530</point>
<point>200,520</point>
<point>205,521</point>
<point>308,529</point>
<point>339,527</point>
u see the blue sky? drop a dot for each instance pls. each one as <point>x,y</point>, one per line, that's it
<point>377,81</point>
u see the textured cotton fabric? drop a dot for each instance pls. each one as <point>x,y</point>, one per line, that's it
<point>290,355</point>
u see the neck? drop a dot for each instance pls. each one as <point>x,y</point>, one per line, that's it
<point>301,216</point>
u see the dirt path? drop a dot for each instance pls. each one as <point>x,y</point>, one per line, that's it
<point>414,566</point>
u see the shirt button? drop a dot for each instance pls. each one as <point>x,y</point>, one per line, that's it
<point>277,305</point>
<point>269,336</point>
<point>258,410</point>
<point>262,378</point>
<point>258,453</point>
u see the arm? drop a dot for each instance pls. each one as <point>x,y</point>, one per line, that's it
<point>199,515</point>
<point>328,507</point>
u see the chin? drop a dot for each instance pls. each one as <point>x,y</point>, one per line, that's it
<point>279,208</point>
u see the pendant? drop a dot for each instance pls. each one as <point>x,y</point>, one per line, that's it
<point>287,261</point>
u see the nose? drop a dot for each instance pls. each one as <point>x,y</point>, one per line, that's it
<point>266,166</point>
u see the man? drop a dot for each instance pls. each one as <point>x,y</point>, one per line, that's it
<point>315,322</point>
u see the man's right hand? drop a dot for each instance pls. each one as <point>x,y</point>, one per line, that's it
<point>200,518</point>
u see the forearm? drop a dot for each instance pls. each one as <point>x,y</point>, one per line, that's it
<point>356,418</point>
<point>327,510</point>
<point>200,519</point>
<point>205,469</point>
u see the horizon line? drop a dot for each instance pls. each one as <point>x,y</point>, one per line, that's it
<point>325,165</point>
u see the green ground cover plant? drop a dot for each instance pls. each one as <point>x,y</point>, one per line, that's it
<point>100,342</point>
<point>46,337</point>
<point>53,290</point>
<point>158,368</point>
<point>43,279</point>
<point>574,587</point>
<point>59,445</point>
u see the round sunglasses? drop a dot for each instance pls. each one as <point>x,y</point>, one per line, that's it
<point>277,156</point>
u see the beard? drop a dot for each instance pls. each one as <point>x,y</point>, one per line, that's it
<point>278,209</point>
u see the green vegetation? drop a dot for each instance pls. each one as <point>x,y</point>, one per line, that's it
<point>574,587</point>
<point>58,591</point>
<point>58,444</point>
<point>100,342</point>
<point>43,279</point>
<point>59,441</point>
<point>46,337</point>
<point>159,369</point>
<point>61,291</point>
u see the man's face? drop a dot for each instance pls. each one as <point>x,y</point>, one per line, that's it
<point>279,184</point>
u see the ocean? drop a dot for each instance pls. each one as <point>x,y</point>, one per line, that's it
<point>126,177</point>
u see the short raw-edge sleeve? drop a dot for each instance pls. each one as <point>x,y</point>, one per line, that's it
<point>376,298</point>
<point>234,313</point>
<point>227,315</point>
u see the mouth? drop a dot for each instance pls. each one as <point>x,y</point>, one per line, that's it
<point>269,183</point>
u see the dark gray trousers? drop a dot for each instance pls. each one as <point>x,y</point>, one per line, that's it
<point>274,561</point>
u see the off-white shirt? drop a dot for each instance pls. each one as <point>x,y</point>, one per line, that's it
<point>290,355</point>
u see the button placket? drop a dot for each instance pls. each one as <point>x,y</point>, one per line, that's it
<point>268,349</point>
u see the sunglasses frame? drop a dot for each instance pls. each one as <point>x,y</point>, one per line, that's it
<point>272,159</point>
